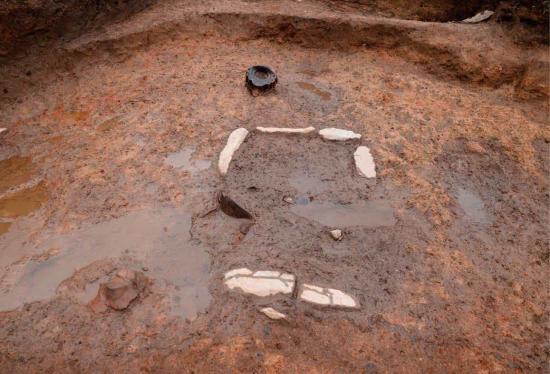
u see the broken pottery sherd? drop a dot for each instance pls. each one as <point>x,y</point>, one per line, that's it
<point>272,313</point>
<point>336,234</point>
<point>260,283</point>
<point>338,134</point>
<point>364,162</point>
<point>327,296</point>
<point>236,138</point>
<point>285,130</point>
<point>231,208</point>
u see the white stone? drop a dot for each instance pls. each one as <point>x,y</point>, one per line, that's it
<point>338,134</point>
<point>286,130</point>
<point>242,271</point>
<point>272,313</point>
<point>336,234</point>
<point>288,199</point>
<point>364,162</point>
<point>236,138</point>
<point>260,283</point>
<point>480,17</point>
<point>3,130</point>
<point>327,296</point>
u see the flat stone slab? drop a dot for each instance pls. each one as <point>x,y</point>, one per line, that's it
<point>236,138</point>
<point>260,283</point>
<point>332,133</point>
<point>364,162</point>
<point>272,313</point>
<point>327,296</point>
<point>285,130</point>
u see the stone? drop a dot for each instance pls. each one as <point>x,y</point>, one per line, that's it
<point>288,200</point>
<point>260,283</point>
<point>236,138</point>
<point>286,130</point>
<point>327,296</point>
<point>480,17</point>
<point>3,130</point>
<point>272,313</point>
<point>364,162</point>
<point>336,234</point>
<point>120,291</point>
<point>338,134</point>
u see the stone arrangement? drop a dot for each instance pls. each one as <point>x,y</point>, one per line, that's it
<point>364,162</point>
<point>268,282</point>
<point>265,283</point>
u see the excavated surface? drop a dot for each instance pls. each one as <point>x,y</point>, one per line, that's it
<point>115,135</point>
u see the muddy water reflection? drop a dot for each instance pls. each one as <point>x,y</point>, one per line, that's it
<point>304,183</point>
<point>158,239</point>
<point>4,227</point>
<point>23,202</point>
<point>368,214</point>
<point>182,160</point>
<point>14,171</point>
<point>473,206</point>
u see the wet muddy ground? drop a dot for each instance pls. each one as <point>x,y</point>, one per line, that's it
<point>110,162</point>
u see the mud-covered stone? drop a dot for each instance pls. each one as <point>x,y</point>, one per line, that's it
<point>120,291</point>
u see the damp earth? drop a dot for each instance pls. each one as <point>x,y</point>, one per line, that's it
<point>115,116</point>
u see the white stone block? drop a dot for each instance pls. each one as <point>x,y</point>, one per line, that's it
<point>327,296</point>
<point>285,130</point>
<point>338,134</point>
<point>364,162</point>
<point>236,138</point>
<point>260,283</point>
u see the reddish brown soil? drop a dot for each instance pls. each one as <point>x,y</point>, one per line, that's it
<point>456,117</point>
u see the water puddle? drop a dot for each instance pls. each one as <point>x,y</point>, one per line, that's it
<point>374,213</point>
<point>473,206</point>
<point>324,95</point>
<point>304,183</point>
<point>4,227</point>
<point>14,171</point>
<point>182,160</point>
<point>23,202</point>
<point>157,239</point>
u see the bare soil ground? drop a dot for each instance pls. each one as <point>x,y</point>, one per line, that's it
<point>110,158</point>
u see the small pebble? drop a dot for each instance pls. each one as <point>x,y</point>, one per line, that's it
<point>336,234</point>
<point>288,199</point>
